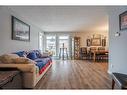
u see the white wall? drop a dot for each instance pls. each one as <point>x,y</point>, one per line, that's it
<point>117,45</point>
<point>6,44</point>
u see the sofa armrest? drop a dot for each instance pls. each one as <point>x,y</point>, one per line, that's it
<point>45,54</point>
<point>22,67</point>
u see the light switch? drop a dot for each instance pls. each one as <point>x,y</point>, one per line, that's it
<point>117,34</point>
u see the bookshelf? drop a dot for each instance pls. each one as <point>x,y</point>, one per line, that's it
<point>76,47</point>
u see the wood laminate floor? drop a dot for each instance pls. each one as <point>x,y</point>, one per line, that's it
<point>76,74</point>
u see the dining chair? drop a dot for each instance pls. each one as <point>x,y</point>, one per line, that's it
<point>83,53</point>
<point>101,48</point>
<point>102,56</point>
<point>91,50</point>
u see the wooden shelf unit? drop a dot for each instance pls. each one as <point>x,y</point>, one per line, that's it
<point>76,47</point>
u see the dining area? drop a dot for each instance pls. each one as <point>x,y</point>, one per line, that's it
<point>96,48</point>
<point>95,54</point>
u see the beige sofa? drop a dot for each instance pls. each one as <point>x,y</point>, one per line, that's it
<point>30,73</point>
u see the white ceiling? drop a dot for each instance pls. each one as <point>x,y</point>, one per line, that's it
<point>65,18</point>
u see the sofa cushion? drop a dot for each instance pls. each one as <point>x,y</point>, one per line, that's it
<point>7,58</point>
<point>40,64</point>
<point>22,60</point>
<point>21,53</point>
<point>45,54</point>
<point>44,60</point>
<point>15,59</point>
<point>38,53</point>
<point>43,69</point>
<point>32,55</point>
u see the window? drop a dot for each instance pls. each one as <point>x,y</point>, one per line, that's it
<point>41,41</point>
<point>64,40</point>
<point>55,42</point>
<point>51,44</point>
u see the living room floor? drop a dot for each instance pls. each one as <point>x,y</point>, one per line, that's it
<point>76,74</point>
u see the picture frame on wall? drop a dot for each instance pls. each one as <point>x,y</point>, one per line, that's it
<point>88,42</point>
<point>97,36</point>
<point>95,42</point>
<point>20,30</point>
<point>103,42</point>
<point>123,21</point>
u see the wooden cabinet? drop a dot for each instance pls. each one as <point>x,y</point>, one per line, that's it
<point>76,47</point>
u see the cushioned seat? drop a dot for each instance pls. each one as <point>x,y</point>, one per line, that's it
<point>43,59</point>
<point>21,53</point>
<point>40,64</point>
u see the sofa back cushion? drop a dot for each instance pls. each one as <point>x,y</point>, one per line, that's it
<point>22,60</point>
<point>32,55</point>
<point>21,53</point>
<point>38,53</point>
<point>7,58</point>
<point>15,59</point>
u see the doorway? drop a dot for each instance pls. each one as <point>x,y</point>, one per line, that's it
<point>63,46</point>
<point>51,44</point>
<point>41,41</point>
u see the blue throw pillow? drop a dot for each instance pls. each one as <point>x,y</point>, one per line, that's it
<point>21,53</point>
<point>32,55</point>
<point>38,53</point>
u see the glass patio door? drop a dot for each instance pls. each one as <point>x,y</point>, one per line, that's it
<point>51,44</point>
<point>63,40</point>
<point>41,38</point>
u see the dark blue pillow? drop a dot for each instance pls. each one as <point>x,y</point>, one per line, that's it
<point>32,55</point>
<point>21,53</point>
<point>38,53</point>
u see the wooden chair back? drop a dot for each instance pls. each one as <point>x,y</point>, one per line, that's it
<point>83,50</point>
<point>101,48</point>
<point>93,48</point>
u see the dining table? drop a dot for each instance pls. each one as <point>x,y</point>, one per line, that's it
<point>98,52</point>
